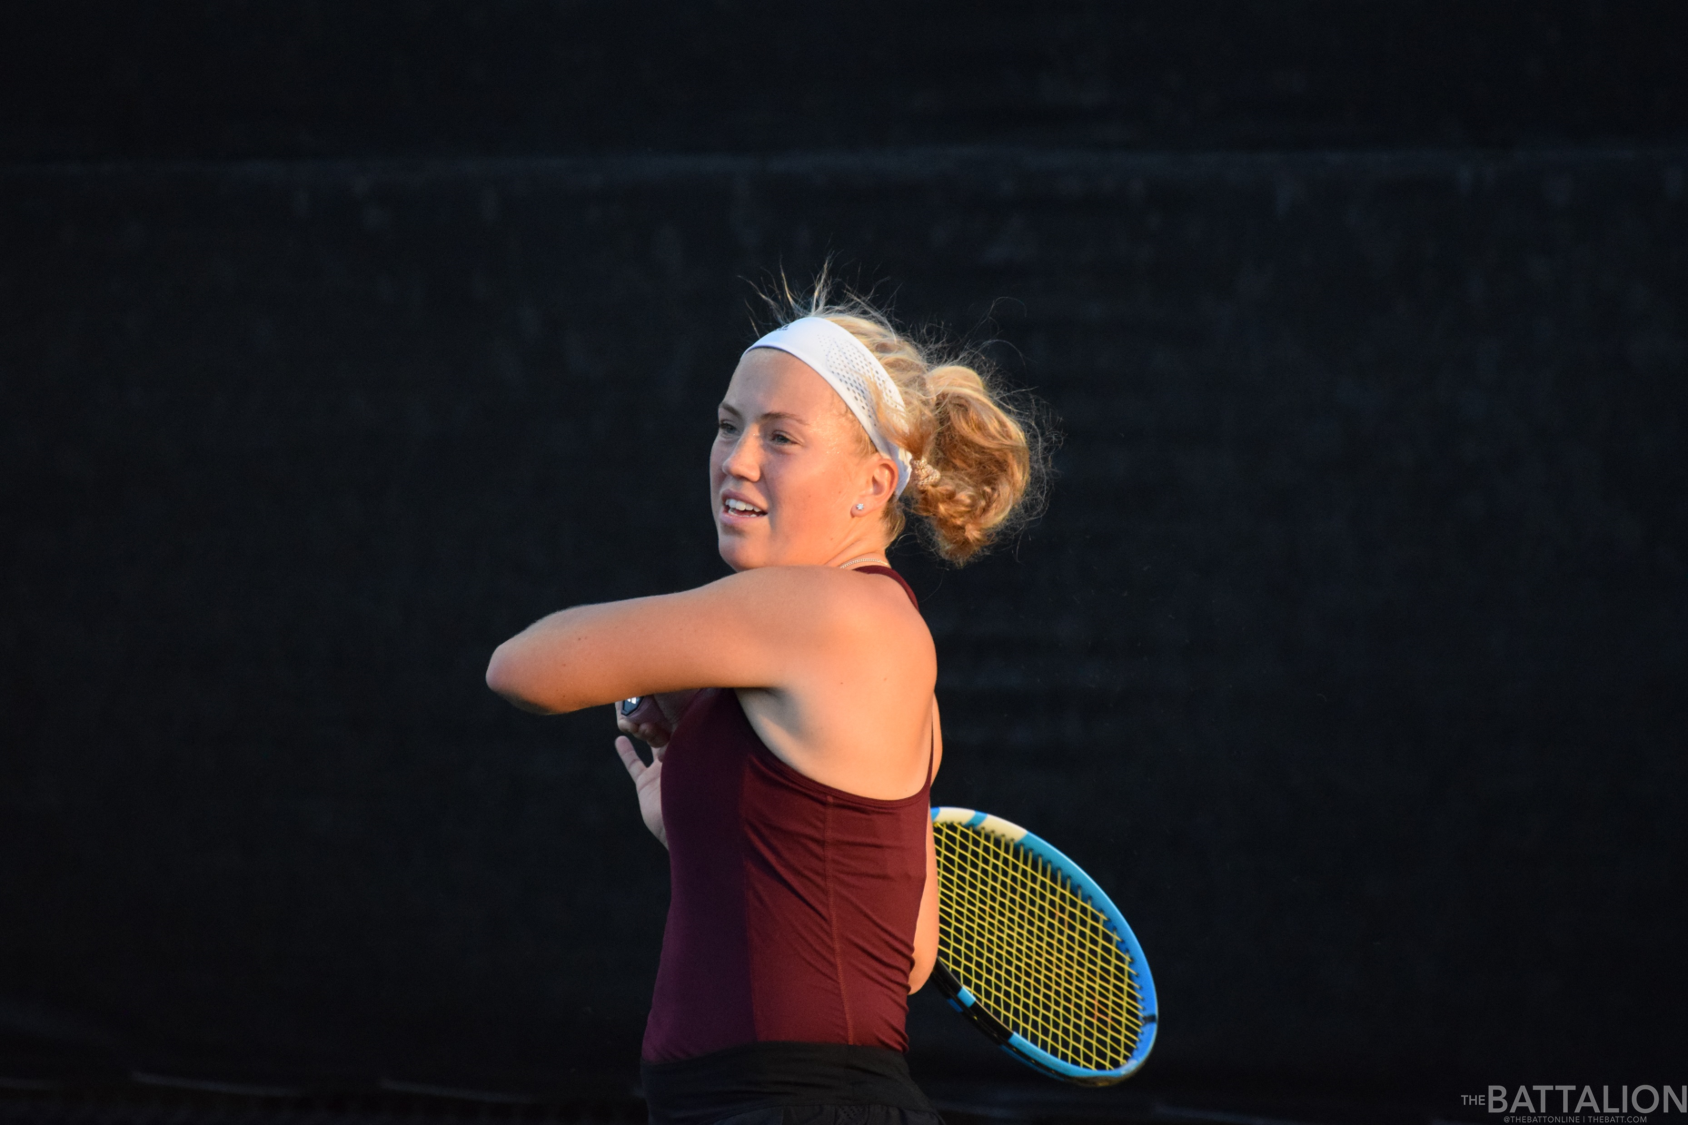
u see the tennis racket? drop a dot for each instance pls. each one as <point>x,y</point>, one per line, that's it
<point>639,709</point>
<point>1036,956</point>
<point>663,711</point>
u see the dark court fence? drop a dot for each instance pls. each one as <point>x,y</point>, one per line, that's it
<point>1349,655</point>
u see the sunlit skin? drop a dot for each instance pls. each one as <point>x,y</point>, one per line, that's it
<point>835,671</point>
<point>788,447</point>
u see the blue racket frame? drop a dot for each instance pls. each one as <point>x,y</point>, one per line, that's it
<point>964,1002</point>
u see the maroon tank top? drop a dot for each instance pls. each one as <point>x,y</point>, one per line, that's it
<point>793,905</point>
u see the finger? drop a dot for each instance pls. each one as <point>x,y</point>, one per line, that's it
<point>631,760</point>
<point>658,752</point>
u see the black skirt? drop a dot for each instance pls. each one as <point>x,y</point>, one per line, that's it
<point>786,1084</point>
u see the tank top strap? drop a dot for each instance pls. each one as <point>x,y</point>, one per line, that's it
<point>895,576</point>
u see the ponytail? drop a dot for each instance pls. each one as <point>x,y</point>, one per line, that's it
<point>980,464</point>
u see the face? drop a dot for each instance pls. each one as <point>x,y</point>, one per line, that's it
<point>788,468</point>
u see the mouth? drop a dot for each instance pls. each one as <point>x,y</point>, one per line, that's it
<point>734,508</point>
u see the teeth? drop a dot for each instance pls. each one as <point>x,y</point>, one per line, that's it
<point>740,506</point>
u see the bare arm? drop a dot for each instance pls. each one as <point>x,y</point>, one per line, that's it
<point>926,947</point>
<point>754,629</point>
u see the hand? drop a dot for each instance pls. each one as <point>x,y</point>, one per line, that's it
<point>662,711</point>
<point>647,778</point>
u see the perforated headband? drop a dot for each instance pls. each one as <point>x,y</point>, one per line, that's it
<point>850,368</point>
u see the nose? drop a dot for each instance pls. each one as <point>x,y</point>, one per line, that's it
<point>742,459</point>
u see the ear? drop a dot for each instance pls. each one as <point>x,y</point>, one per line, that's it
<point>878,488</point>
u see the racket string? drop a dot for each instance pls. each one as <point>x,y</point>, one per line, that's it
<point>1035,952</point>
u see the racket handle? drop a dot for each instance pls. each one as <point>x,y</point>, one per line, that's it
<point>663,710</point>
<point>642,709</point>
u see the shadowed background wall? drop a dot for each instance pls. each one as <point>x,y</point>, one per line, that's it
<point>1350,655</point>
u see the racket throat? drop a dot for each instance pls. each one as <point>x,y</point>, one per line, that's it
<point>963,1001</point>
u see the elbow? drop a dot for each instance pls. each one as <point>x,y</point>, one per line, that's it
<point>499,672</point>
<point>502,675</point>
<point>505,679</point>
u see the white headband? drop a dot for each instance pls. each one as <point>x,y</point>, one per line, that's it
<point>850,368</point>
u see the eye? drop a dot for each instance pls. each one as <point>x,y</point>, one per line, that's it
<point>724,427</point>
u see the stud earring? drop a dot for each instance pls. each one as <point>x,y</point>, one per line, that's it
<point>860,507</point>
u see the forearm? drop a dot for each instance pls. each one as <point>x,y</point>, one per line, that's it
<point>925,948</point>
<point>570,660</point>
<point>588,655</point>
<point>528,670</point>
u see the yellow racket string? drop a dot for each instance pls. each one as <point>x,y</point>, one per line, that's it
<point>1035,952</point>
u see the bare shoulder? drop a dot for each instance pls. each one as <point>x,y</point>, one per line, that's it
<point>852,706</point>
<point>827,600</point>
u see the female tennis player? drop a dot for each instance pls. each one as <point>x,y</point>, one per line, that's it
<point>794,794</point>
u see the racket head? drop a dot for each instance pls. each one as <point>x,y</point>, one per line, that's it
<point>994,871</point>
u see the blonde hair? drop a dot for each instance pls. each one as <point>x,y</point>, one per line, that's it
<point>981,460</point>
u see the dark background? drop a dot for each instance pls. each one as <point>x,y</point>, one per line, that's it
<point>338,342</point>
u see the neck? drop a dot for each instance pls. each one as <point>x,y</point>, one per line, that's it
<point>878,558</point>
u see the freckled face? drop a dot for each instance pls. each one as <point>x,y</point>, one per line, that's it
<point>788,464</point>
